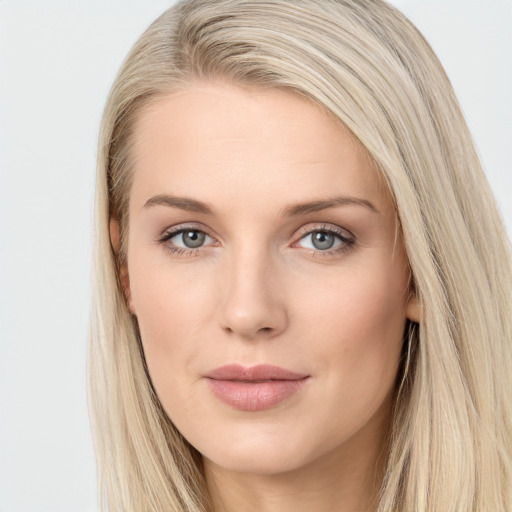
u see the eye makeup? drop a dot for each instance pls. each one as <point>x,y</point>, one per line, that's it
<point>342,240</point>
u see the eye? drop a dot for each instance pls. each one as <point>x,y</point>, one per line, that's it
<point>326,240</point>
<point>189,238</point>
<point>185,239</point>
<point>322,240</point>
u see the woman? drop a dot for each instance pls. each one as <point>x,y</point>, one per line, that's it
<point>302,284</point>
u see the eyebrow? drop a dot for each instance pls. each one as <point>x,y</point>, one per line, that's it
<point>192,205</point>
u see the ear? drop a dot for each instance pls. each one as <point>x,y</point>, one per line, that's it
<point>414,309</point>
<point>115,240</point>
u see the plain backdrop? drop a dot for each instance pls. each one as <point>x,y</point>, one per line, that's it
<point>57,61</point>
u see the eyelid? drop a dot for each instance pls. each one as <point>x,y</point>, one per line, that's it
<point>180,228</point>
<point>346,237</point>
<point>343,233</point>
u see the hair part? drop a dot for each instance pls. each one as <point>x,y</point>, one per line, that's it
<point>367,65</point>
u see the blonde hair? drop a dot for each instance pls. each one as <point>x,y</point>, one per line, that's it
<point>365,63</point>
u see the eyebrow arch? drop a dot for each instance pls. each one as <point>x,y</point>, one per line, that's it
<point>184,203</point>
<point>315,206</point>
<point>192,205</point>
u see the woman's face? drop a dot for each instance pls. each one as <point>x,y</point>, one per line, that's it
<point>260,234</point>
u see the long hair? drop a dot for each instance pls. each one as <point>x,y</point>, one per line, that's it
<point>366,64</point>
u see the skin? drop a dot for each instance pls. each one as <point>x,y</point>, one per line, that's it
<point>260,291</point>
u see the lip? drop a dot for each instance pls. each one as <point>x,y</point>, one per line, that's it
<point>254,388</point>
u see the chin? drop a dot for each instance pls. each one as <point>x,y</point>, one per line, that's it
<point>257,461</point>
<point>256,453</point>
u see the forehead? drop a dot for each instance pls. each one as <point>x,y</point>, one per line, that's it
<point>235,139</point>
<point>244,108</point>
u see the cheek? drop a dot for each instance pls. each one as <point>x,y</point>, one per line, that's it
<point>172,309</point>
<point>359,322</point>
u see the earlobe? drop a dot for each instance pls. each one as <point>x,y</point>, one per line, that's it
<point>414,309</point>
<point>124,276</point>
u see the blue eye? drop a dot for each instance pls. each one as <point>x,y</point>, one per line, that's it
<point>187,238</point>
<point>191,239</point>
<point>326,241</point>
<point>323,240</point>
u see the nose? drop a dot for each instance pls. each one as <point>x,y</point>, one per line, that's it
<point>252,304</point>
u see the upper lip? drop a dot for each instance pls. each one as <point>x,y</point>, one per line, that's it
<point>260,372</point>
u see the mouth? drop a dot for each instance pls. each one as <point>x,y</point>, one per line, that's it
<point>254,388</point>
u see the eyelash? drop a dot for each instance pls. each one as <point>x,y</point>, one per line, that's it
<point>346,241</point>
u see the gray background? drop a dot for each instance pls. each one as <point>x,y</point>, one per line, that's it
<point>57,61</point>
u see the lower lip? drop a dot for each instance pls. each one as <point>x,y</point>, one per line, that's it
<point>254,396</point>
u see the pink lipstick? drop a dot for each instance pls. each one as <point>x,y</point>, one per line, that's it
<point>254,388</point>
